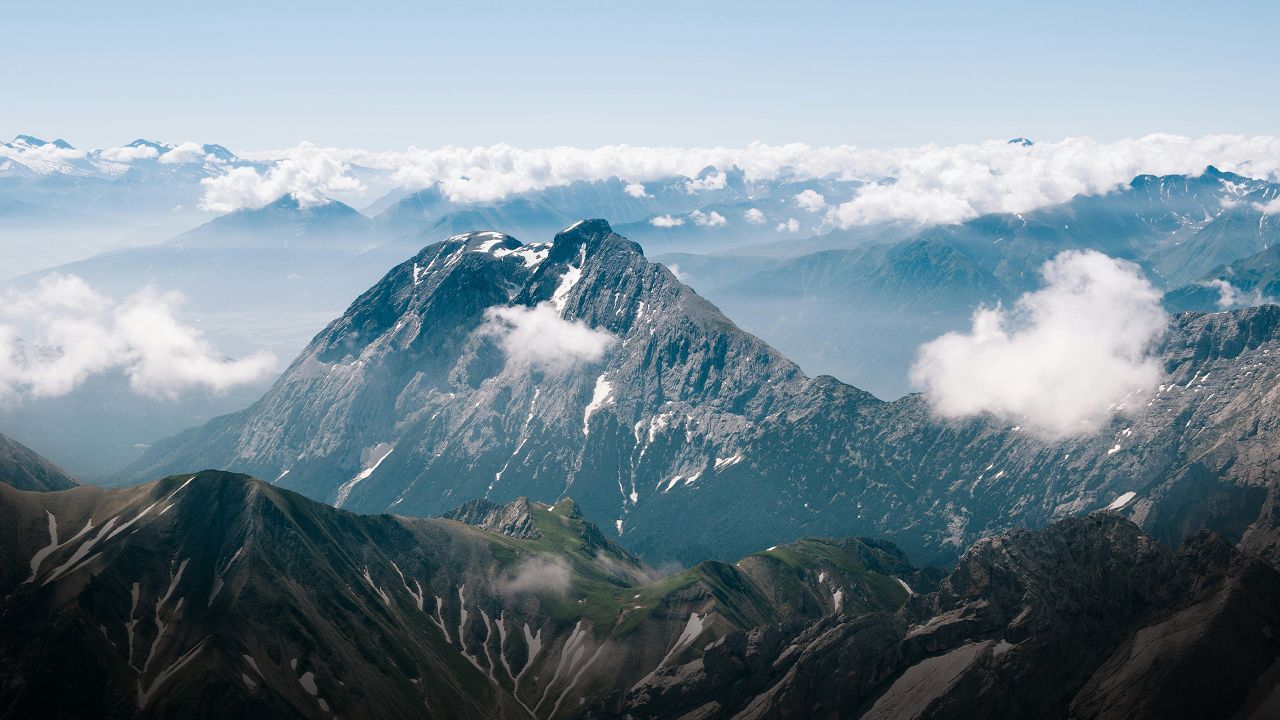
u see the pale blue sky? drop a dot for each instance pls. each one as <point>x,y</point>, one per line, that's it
<point>385,75</point>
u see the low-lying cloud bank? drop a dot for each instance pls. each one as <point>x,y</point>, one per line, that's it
<point>1061,359</point>
<point>539,337</point>
<point>928,184</point>
<point>62,332</point>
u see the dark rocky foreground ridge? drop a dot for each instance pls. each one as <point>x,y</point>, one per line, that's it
<point>691,439</point>
<point>219,596</point>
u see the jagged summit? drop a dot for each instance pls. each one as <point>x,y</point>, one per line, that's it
<point>514,519</point>
<point>33,141</point>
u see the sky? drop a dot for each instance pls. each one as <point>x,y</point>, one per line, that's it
<point>389,75</point>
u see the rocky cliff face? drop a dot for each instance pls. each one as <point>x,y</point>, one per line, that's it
<point>689,438</point>
<point>218,596</point>
<point>1089,618</point>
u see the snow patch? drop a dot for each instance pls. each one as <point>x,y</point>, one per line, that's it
<point>602,395</point>
<point>1122,500</point>
<point>376,455</point>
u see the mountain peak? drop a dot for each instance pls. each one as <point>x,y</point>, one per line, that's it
<point>157,146</point>
<point>514,519</point>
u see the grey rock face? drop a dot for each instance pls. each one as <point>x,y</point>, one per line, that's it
<point>689,438</point>
<point>1089,618</point>
<point>513,519</point>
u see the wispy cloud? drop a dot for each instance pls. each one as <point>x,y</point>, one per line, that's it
<point>57,335</point>
<point>1230,296</point>
<point>1061,359</point>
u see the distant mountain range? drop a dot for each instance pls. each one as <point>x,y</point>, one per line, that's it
<point>690,438</point>
<point>860,313</point>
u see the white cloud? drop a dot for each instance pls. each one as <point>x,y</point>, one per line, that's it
<point>1061,360</point>
<point>129,153</point>
<point>1230,296</point>
<point>810,201</point>
<point>713,181</point>
<point>711,219</point>
<point>538,575</point>
<point>792,225</point>
<point>636,190</point>
<point>187,152</point>
<point>47,158</point>
<point>56,336</point>
<point>666,221</point>
<point>1271,207</point>
<point>920,185</point>
<point>308,173</point>
<point>754,216</point>
<point>538,336</point>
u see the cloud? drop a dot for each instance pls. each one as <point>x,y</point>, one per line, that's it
<point>926,184</point>
<point>1230,296</point>
<point>711,219</point>
<point>810,201</point>
<point>187,152</point>
<point>957,181</point>
<point>1061,360</point>
<point>712,181</point>
<point>62,332</point>
<point>538,575</point>
<point>754,216</point>
<point>538,336</point>
<point>307,173</point>
<point>636,190</point>
<point>1272,207</point>
<point>792,225</point>
<point>129,153</point>
<point>666,221</point>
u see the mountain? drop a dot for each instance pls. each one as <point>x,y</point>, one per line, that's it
<point>93,201</point>
<point>217,596</point>
<point>690,438</point>
<point>24,469</point>
<point>1088,618</point>
<point>858,314</point>
<point>164,597</point>
<point>852,321</point>
<point>1177,226</point>
<point>1253,280</point>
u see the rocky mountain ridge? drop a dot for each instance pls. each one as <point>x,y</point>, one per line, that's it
<point>215,596</point>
